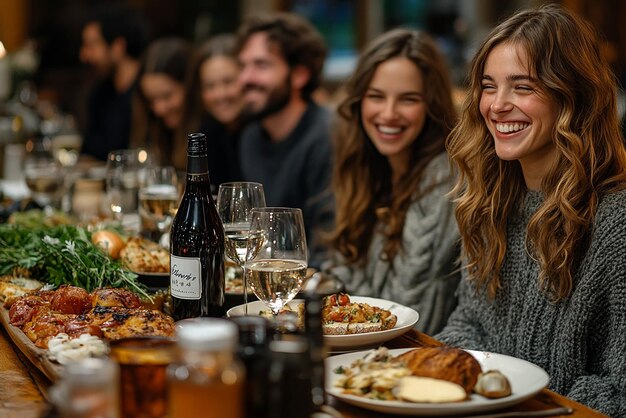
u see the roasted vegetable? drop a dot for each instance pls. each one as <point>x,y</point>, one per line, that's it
<point>493,384</point>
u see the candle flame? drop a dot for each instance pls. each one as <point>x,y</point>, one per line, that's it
<point>3,51</point>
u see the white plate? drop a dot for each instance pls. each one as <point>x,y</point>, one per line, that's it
<point>407,318</point>
<point>527,379</point>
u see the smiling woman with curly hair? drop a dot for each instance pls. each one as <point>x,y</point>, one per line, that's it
<point>542,207</point>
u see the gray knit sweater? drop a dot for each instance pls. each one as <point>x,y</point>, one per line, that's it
<point>581,341</point>
<point>422,276</point>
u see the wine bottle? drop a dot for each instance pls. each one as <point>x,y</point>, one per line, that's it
<point>197,242</point>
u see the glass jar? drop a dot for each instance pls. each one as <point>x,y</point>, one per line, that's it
<point>87,389</point>
<point>208,380</point>
<point>143,383</point>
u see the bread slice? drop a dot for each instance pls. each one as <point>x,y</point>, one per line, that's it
<point>13,287</point>
<point>345,328</point>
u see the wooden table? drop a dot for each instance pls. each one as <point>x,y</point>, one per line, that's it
<point>23,388</point>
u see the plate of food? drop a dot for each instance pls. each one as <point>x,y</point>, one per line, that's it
<point>348,321</point>
<point>146,258</point>
<point>432,380</point>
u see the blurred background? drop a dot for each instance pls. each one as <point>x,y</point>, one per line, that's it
<point>40,39</point>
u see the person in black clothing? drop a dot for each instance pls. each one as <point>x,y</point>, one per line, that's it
<point>288,146</point>
<point>113,38</point>
<point>214,104</point>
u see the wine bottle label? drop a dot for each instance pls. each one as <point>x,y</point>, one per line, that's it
<point>185,277</point>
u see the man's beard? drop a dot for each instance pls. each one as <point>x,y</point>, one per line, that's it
<point>277,100</point>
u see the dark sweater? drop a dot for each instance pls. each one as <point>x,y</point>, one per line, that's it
<point>223,158</point>
<point>295,172</point>
<point>580,341</point>
<point>109,120</point>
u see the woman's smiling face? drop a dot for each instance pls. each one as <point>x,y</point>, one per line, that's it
<point>394,109</point>
<point>221,91</point>
<point>165,96</point>
<point>519,115</point>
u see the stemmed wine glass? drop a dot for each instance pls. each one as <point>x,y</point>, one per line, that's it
<point>44,175</point>
<point>159,197</point>
<point>276,257</point>
<point>234,205</point>
<point>123,173</point>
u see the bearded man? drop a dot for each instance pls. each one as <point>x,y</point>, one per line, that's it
<point>287,147</point>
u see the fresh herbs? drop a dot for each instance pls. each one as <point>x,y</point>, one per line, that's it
<point>60,255</point>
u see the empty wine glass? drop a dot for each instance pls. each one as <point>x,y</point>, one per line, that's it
<point>44,175</point>
<point>276,257</point>
<point>158,197</point>
<point>124,170</point>
<point>234,205</point>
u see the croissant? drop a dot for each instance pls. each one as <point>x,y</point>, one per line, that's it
<point>446,363</point>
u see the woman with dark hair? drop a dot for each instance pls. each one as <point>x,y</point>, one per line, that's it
<point>541,207</point>
<point>159,104</point>
<point>395,235</point>
<point>214,104</point>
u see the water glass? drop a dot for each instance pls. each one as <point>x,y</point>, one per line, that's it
<point>43,174</point>
<point>123,172</point>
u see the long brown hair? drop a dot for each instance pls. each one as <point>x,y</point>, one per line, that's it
<point>171,57</point>
<point>362,176</point>
<point>564,56</point>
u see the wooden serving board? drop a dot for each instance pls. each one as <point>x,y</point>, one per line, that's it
<point>36,355</point>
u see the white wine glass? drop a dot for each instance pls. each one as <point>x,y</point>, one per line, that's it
<point>235,202</point>
<point>44,175</point>
<point>276,257</point>
<point>159,196</point>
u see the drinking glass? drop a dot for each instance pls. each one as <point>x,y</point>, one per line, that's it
<point>66,149</point>
<point>142,375</point>
<point>276,257</point>
<point>123,172</point>
<point>43,174</point>
<point>234,205</point>
<point>158,197</point>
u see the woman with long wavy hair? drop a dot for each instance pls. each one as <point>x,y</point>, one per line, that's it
<point>214,105</point>
<point>395,235</point>
<point>541,207</point>
<point>159,103</point>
